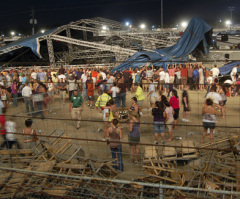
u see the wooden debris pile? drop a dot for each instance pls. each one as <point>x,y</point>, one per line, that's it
<point>189,167</point>
<point>51,156</point>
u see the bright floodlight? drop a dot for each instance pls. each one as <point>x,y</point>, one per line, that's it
<point>19,34</point>
<point>42,31</point>
<point>104,27</point>
<point>228,22</point>
<point>127,23</point>
<point>142,26</point>
<point>12,33</point>
<point>184,24</point>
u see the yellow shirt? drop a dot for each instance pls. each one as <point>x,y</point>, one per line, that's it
<point>110,116</point>
<point>139,93</point>
<point>102,100</point>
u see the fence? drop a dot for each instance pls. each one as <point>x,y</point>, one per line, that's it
<point>71,163</point>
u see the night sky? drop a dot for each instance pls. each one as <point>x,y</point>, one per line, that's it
<point>15,14</point>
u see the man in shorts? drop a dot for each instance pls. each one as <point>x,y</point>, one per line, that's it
<point>152,93</point>
<point>76,107</point>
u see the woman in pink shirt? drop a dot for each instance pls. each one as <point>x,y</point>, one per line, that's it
<point>174,102</point>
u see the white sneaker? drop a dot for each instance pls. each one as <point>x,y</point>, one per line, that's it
<point>141,114</point>
<point>183,119</point>
<point>155,142</point>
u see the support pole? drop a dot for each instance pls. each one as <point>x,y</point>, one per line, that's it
<point>33,28</point>
<point>51,52</point>
<point>162,14</point>
<point>84,33</point>
<point>70,47</point>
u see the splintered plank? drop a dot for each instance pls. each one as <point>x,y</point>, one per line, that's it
<point>16,152</point>
<point>159,168</point>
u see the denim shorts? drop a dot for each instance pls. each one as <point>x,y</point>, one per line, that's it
<point>208,125</point>
<point>158,127</point>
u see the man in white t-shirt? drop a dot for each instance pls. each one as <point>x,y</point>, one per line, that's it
<point>103,74</point>
<point>114,90</point>
<point>162,78</point>
<point>27,95</point>
<point>234,73</point>
<point>34,75</point>
<point>216,97</point>
<point>152,93</point>
<point>166,81</point>
<point>215,72</point>
<point>84,87</point>
<point>62,76</point>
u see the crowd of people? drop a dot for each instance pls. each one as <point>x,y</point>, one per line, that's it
<point>107,92</point>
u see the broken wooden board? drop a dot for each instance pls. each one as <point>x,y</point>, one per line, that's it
<point>150,152</point>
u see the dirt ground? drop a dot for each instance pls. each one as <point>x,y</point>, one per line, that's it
<point>100,150</point>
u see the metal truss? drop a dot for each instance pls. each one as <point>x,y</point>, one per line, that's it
<point>103,47</point>
<point>108,46</point>
<point>10,49</point>
<point>99,22</point>
<point>50,52</point>
<point>85,54</point>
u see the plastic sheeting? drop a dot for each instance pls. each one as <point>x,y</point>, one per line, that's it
<point>190,40</point>
<point>226,69</point>
<point>31,42</point>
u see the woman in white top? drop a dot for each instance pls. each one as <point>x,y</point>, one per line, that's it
<point>209,113</point>
<point>201,78</point>
<point>134,73</point>
<point>4,96</point>
<point>105,113</point>
<point>50,91</point>
<point>10,127</point>
<point>169,112</point>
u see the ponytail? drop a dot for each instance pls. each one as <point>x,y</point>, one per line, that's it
<point>175,93</point>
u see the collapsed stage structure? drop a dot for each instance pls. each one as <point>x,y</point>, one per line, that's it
<point>86,41</point>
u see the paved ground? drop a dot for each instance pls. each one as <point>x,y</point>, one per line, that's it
<point>101,151</point>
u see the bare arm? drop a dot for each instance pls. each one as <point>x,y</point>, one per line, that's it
<point>120,133</point>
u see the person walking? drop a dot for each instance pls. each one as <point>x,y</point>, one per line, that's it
<point>14,92</point>
<point>90,92</point>
<point>169,112</point>
<point>122,94</point>
<point>158,121</point>
<point>62,86</point>
<point>152,93</point>
<point>140,98</point>
<point>10,126</point>
<point>27,94</point>
<point>71,86</point>
<point>29,135</point>
<point>76,107</point>
<point>185,102</point>
<point>115,134</point>
<point>209,113</point>
<point>134,135</point>
<point>174,102</point>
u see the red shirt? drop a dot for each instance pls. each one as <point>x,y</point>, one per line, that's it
<point>183,72</point>
<point>3,121</point>
<point>94,74</point>
<point>174,102</point>
<point>171,72</point>
<point>207,73</point>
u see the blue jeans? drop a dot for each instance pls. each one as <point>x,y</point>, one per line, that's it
<point>121,97</point>
<point>39,109</point>
<point>158,127</point>
<point>28,102</point>
<point>84,93</point>
<point>15,99</point>
<point>117,150</point>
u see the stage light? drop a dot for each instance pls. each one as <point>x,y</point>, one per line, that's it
<point>142,26</point>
